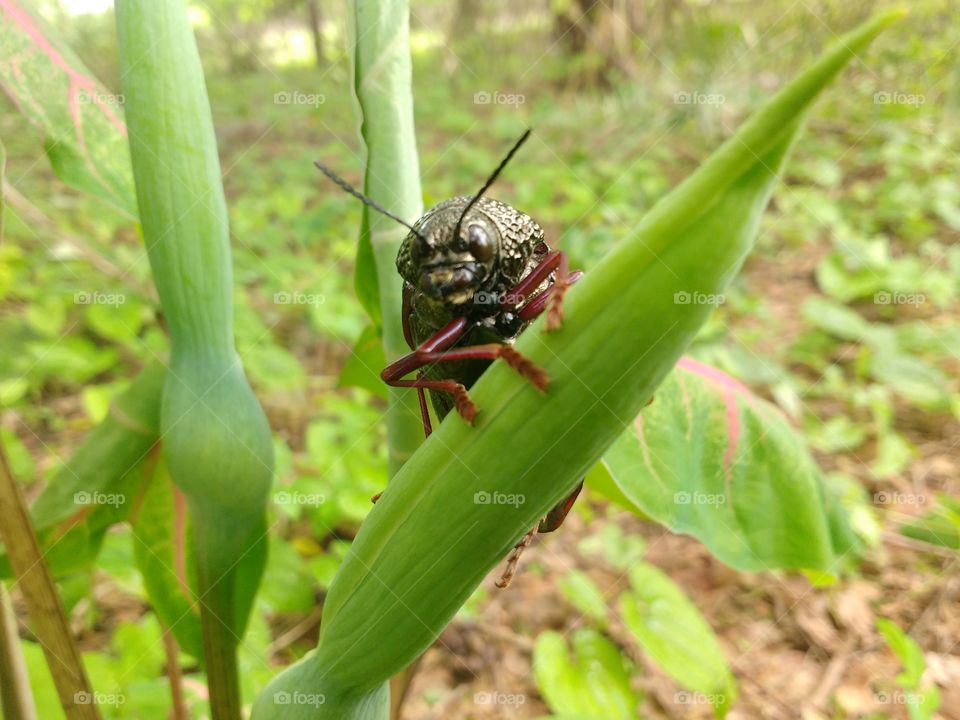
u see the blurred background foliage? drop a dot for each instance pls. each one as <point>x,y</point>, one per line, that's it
<point>846,316</point>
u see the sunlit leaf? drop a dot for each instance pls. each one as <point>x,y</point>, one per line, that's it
<point>671,630</point>
<point>82,122</point>
<point>711,459</point>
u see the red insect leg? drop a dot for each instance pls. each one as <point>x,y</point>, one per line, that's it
<point>538,303</point>
<point>554,261</point>
<point>514,559</point>
<point>434,350</point>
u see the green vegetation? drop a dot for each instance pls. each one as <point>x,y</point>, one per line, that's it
<point>137,273</point>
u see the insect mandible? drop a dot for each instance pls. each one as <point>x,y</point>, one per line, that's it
<point>476,273</point>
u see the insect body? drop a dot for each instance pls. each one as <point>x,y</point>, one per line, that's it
<point>476,273</point>
<point>461,296</point>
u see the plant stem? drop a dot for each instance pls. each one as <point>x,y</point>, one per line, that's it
<point>382,82</point>
<point>46,611</point>
<point>219,650</point>
<point>16,699</point>
<point>175,675</point>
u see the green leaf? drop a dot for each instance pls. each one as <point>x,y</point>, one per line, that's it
<point>600,481</point>
<point>584,595</point>
<point>907,651</point>
<point>216,439</point>
<point>912,378</point>
<point>835,319</point>
<point>99,484</point>
<point>593,683</point>
<point>939,526</point>
<point>381,67</point>
<point>110,452</point>
<point>379,36</point>
<point>836,434</point>
<point>711,459</point>
<point>159,530</point>
<point>399,586</point>
<point>81,121</point>
<point>120,321</point>
<point>20,458</point>
<point>671,630</point>
<point>47,704</point>
<point>362,368</point>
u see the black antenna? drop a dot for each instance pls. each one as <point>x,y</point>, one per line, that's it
<point>491,179</point>
<point>351,190</point>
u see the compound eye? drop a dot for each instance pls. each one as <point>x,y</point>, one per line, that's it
<point>479,243</point>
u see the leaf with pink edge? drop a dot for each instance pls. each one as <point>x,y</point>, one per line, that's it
<point>711,459</point>
<point>84,134</point>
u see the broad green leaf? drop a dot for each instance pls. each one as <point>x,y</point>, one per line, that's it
<point>671,630</point>
<point>592,683</point>
<point>82,122</point>
<point>601,481</point>
<point>98,486</point>
<point>160,533</point>
<point>711,459</point>
<point>399,586</point>
<point>112,450</point>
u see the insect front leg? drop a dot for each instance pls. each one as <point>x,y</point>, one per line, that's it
<point>535,307</point>
<point>435,349</point>
<point>553,263</point>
